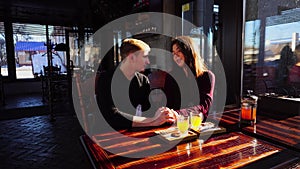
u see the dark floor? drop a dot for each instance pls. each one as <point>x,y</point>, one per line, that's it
<point>29,139</point>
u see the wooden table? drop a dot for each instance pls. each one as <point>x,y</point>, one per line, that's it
<point>284,132</point>
<point>268,144</point>
<point>229,150</point>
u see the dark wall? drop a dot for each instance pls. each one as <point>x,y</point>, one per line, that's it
<point>229,45</point>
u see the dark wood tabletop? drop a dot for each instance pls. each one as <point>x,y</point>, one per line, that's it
<point>229,150</point>
<point>269,143</point>
<point>283,131</point>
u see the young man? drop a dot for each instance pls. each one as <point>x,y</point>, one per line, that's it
<point>122,94</point>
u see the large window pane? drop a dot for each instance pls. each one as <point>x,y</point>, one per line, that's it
<point>271,35</point>
<point>31,50</point>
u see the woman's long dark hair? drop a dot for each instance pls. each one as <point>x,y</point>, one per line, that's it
<point>191,56</point>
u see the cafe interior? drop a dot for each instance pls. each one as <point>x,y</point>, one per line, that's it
<point>51,51</point>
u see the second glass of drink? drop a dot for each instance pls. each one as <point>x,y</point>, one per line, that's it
<point>196,120</point>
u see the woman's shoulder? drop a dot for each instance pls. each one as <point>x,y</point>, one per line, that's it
<point>207,74</point>
<point>206,79</point>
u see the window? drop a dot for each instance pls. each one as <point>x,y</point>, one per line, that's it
<point>202,34</point>
<point>31,50</point>
<point>271,35</point>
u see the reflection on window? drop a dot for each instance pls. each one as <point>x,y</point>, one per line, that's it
<point>202,34</point>
<point>251,42</point>
<point>269,48</point>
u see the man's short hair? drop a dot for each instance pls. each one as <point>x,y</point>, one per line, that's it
<point>131,45</point>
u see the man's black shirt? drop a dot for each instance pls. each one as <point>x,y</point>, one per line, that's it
<point>118,97</point>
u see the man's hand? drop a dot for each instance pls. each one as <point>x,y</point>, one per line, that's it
<point>164,115</point>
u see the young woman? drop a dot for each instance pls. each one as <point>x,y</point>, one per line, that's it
<point>190,85</point>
